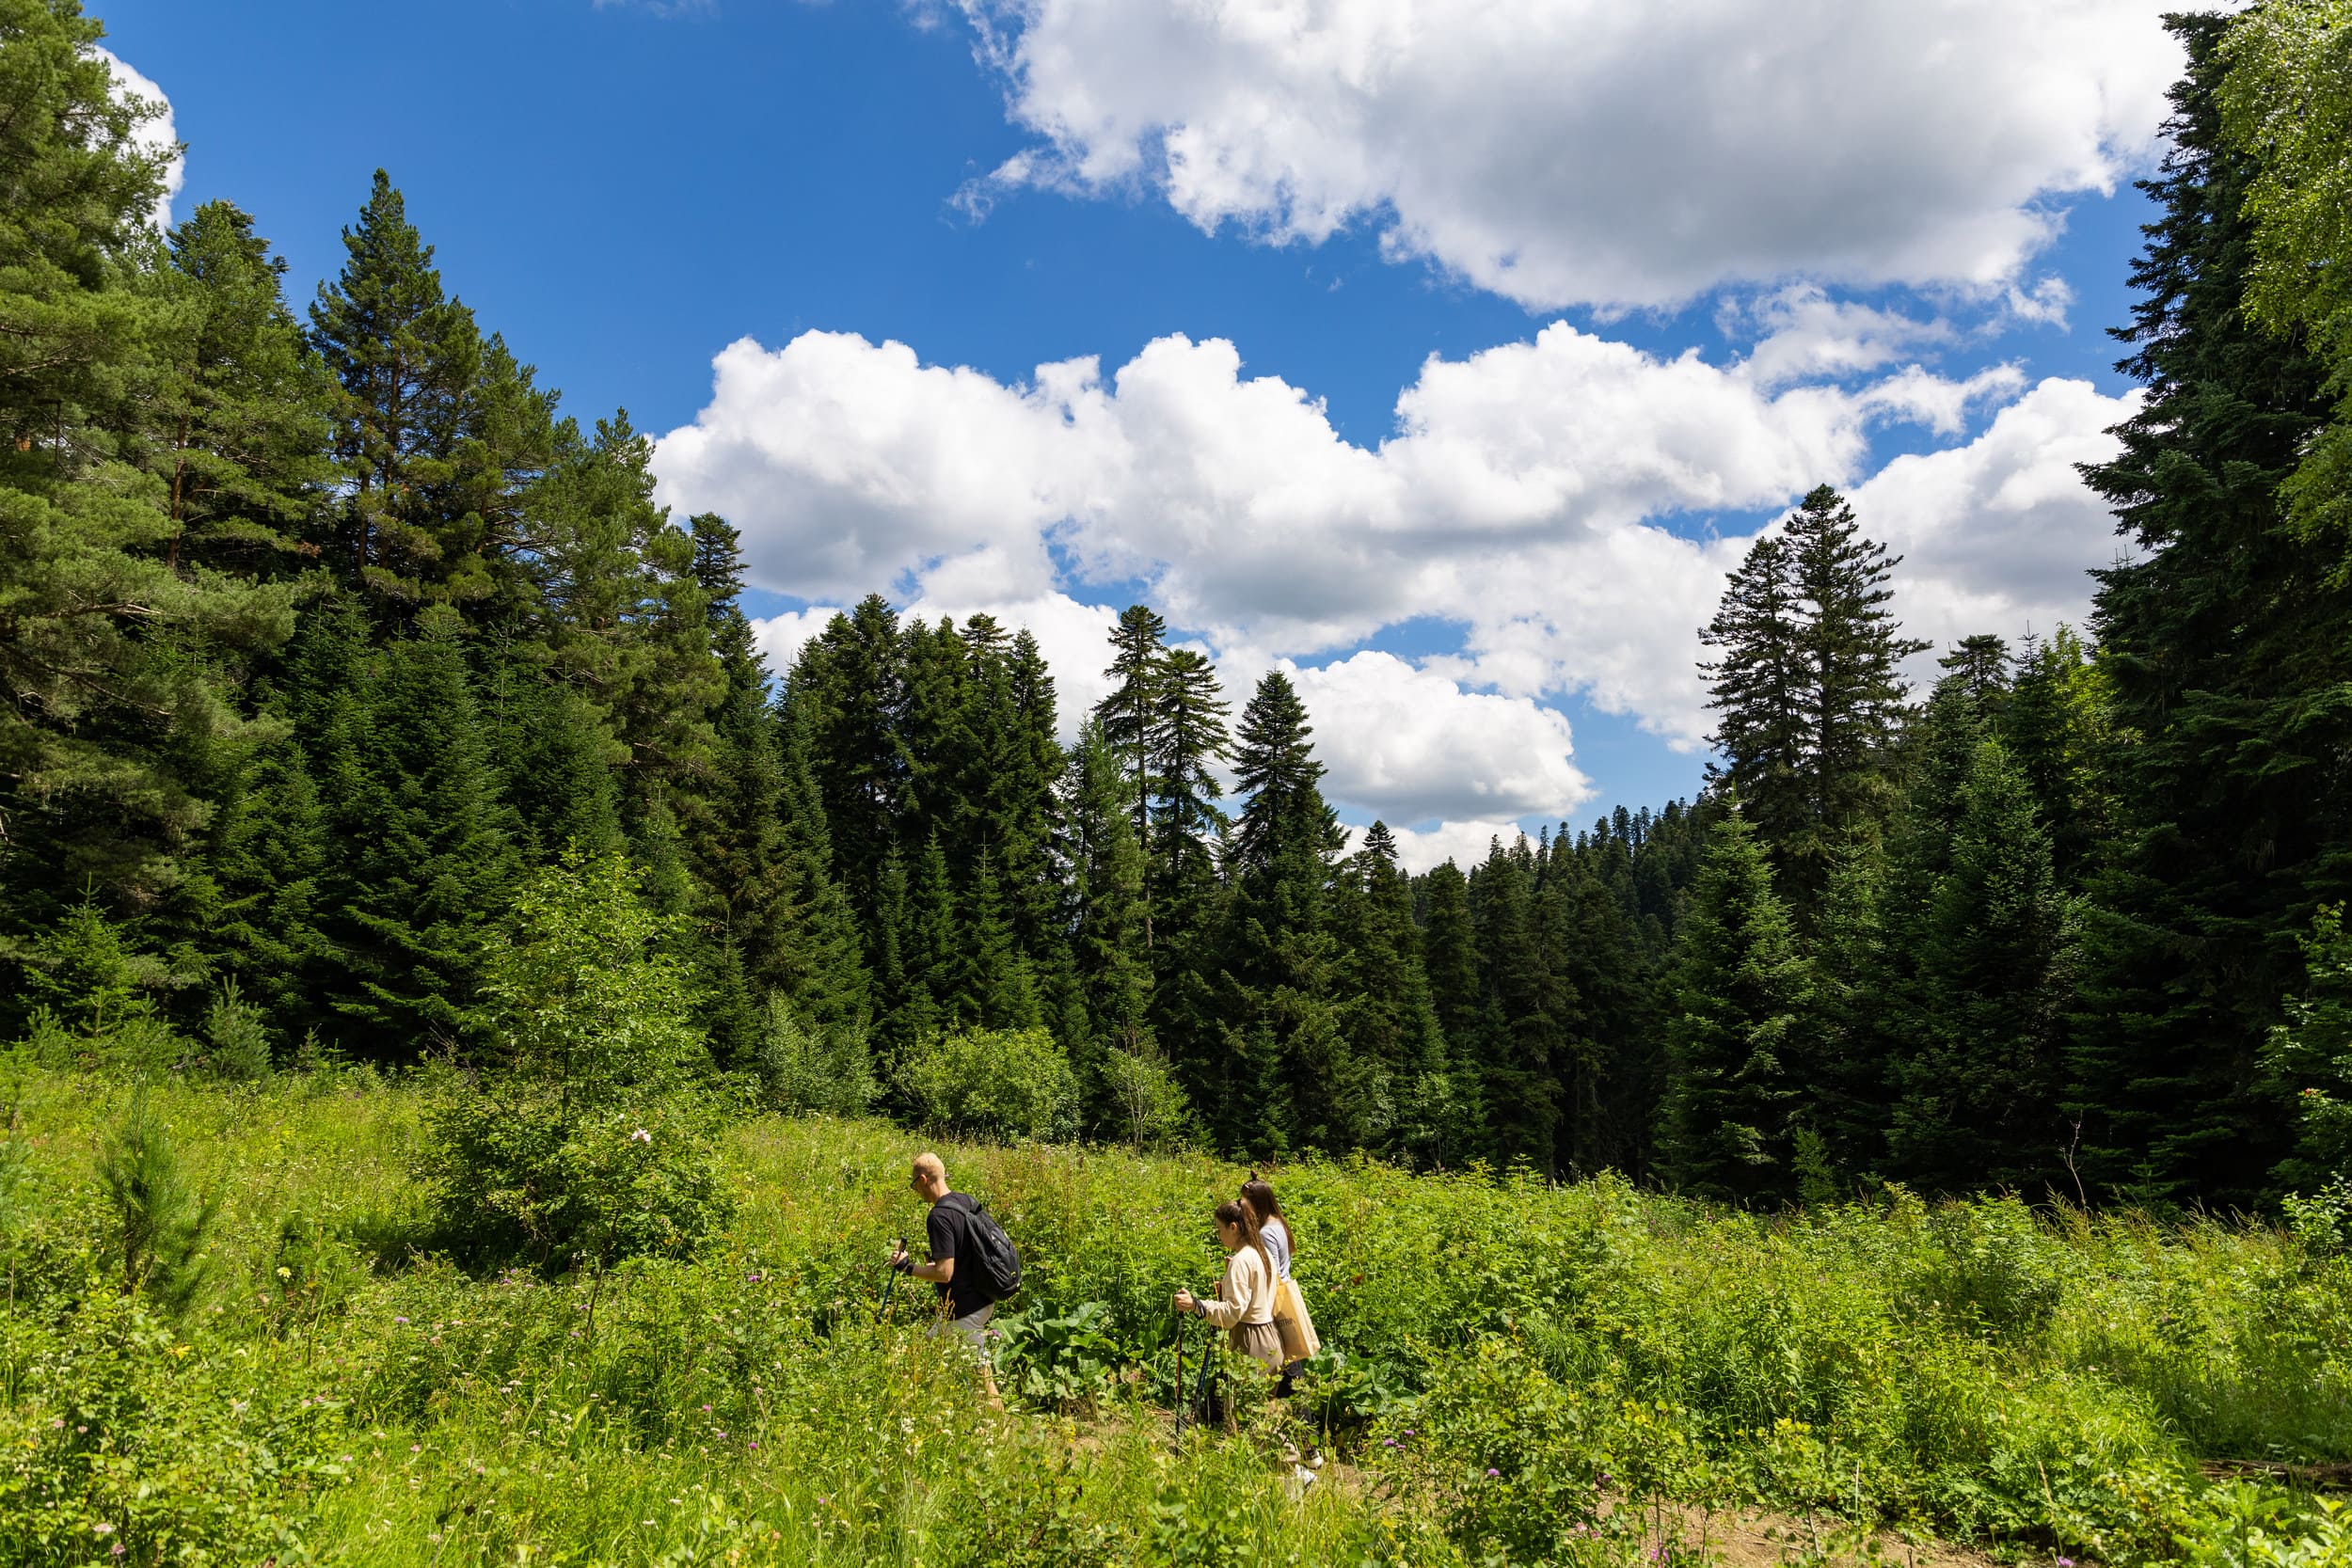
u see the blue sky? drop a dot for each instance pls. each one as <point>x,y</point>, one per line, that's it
<point>1904,204</point>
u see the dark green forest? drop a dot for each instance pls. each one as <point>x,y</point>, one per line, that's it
<point>322,626</point>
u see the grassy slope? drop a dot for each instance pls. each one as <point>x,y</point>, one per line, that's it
<point>1967,1370</point>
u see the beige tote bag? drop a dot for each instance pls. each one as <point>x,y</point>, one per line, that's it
<point>1297,1329</point>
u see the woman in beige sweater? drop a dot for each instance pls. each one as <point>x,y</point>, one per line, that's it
<point>1245,1303</point>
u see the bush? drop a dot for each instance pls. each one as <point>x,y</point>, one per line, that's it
<point>1151,1108</point>
<point>999,1083</point>
<point>579,1138</point>
<point>803,1070</point>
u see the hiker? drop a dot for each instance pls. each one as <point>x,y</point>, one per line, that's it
<point>963,1294</point>
<point>1300,1340</point>
<point>1244,1298</point>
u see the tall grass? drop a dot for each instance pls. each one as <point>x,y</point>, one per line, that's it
<point>1513,1368</point>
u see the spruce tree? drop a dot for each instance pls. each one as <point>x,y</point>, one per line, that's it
<point>1982,1082</point>
<point>1106,915</point>
<point>1130,716</point>
<point>1757,688</point>
<point>1852,650</point>
<point>1381,995</point>
<point>1285,1062</point>
<point>1524,1029</point>
<point>2221,643</point>
<point>1738,995</point>
<point>848,690</point>
<point>424,867</point>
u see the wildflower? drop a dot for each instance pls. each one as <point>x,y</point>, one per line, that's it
<point>641,1136</point>
<point>102,1528</point>
<point>1387,1442</point>
<point>1493,1472</point>
<point>416,1448</point>
<point>2066,1562</point>
<point>755,1442</point>
<point>706,1410</point>
<point>400,1320</point>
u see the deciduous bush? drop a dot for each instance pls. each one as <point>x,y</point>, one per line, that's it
<point>577,1134</point>
<point>999,1083</point>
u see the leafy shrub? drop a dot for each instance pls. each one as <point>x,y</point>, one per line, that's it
<point>124,1443</point>
<point>578,1136</point>
<point>160,1223</point>
<point>1151,1108</point>
<point>1003,1084</point>
<point>2323,1222</point>
<point>803,1070</point>
<point>1061,1359</point>
<point>1991,1269</point>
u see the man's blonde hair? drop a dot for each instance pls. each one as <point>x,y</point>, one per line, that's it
<point>931,1165</point>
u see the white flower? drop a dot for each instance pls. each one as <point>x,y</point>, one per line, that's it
<point>641,1136</point>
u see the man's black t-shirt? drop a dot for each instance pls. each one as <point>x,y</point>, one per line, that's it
<point>967,1293</point>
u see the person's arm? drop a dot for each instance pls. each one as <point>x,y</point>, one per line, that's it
<point>941,1270</point>
<point>1233,1294</point>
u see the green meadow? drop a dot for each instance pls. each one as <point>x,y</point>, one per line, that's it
<point>1514,1371</point>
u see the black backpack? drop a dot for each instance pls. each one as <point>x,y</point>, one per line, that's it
<point>988,1249</point>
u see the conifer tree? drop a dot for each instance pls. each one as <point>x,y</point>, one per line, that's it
<point>849,689</point>
<point>2056,725</point>
<point>1852,650</point>
<point>1189,739</point>
<point>1738,995</point>
<point>2220,643</point>
<point>1757,688</point>
<point>424,866</point>
<point>407,357</point>
<point>1450,958</point>
<point>1983,1079</point>
<point>1106,912</point>
<point>1130,716</point>
<point>1275,952</point>
<point>1385,1019</point>
<point>237,424</point>
<point>111,658</point>
<point>1523,1025</point>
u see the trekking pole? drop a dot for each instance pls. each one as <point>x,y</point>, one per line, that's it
<point>889,1285</point>
<point>1180,1383</point>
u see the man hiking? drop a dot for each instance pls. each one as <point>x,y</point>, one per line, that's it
<point>965,1291</point>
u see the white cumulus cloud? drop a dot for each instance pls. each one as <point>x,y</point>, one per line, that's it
<point>1996,535</point>
<point>1561,152</point>
<point>1407,741</point>
<point>156,135</point>
<point>1546,498</point>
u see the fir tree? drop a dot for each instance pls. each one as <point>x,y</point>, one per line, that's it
<point>1757,688</point>
<point>1738,995</point>
<point>1983,1081</point>
<point>1131,716</point>
<point>237,427</point>
<point>424,866</point>
<point>2220,644</point>
<point>1106,911</point>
